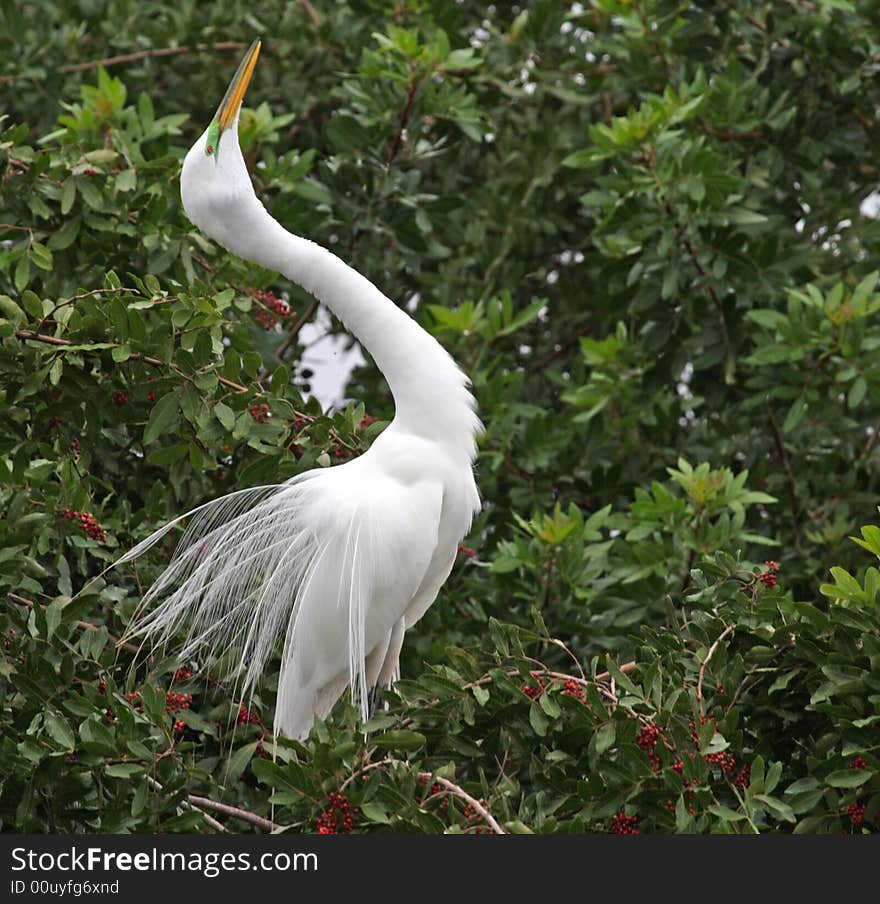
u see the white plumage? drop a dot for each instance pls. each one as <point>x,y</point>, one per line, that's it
<point>334,565</point>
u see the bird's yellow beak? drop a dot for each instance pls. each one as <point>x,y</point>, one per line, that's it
<point>231,103</point>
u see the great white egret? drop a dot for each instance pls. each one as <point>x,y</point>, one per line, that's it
<point>337,562</point>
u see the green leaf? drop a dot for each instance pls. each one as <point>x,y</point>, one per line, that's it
<point>59,730</point>
<point>238,762</point>
<point>726,813</point>
<point>848,778</point>
<point>605,737</point>
<point>125,770</point>
<point>225,415</point>
<point>164,416</point>
<point>400,740</point>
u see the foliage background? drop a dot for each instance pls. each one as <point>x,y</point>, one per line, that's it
<point>640,228</point>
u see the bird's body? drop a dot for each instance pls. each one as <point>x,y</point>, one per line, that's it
<point>338,562</point>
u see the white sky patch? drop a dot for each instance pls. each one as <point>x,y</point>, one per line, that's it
<point>326,354</point>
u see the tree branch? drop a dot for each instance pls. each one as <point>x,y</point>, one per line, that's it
<point>31,336</point>
<point>460,792</point>
<point>151,53</point>
<point>86,626</point>
<point>793,500</point>
<point>156,786</point>
<point>705,662</point>
<point>228,810</point>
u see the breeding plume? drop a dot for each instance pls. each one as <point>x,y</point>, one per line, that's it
<point>332,566</point>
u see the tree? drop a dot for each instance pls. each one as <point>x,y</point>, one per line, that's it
<point>644,230</point>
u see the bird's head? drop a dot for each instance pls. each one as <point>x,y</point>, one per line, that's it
<point>214,178</point>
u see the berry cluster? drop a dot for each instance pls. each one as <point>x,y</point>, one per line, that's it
<point>179,726</point>
<point>175,702</point>
<point>181,675</point>
<point>260,413</point>
<point>151,396</point>
<point>337,818</point>
<point>572,689</point>
<point>272,309</point>
<point>9,639</point>
<point>534,691</point>
<point>768,579</point>
<point>858,763</point>
<point>856,813</point>
<point>622,824</point>
<point>368,419</point>
<point>54,422</point>
<point>726,761</point>
<point>743,778</point>
<point>647,740</point>
<point>75,448</point>
<point>87,522</point>
<point>120,398</point>
<point>247,716</point>
<point>436,790</point>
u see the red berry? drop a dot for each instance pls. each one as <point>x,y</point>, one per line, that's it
<point>533,692</point>
<point>856,813</point>
<point>271,309</point>
<point>622,824</point>
<point>336,819</point>
<point>260,413</point>
<point>120,398</point>
<point>572,689</point>
<point>247,716</point>
<point>743,778</point>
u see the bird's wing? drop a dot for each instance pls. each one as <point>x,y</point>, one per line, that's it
<point>328,562</point>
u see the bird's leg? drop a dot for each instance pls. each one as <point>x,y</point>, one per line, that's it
<point>376,703</point>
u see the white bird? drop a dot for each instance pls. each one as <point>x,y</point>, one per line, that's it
<point>337,563</point>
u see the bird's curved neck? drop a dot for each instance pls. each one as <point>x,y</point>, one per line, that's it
<point>430,391</point>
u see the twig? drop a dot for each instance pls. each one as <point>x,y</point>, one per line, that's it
<point>152,53</point>
<point>705,662</point>
<point>84,625</point>
<point>386,762</point>
<point>228,810</point>
<point>728,135</point>
<point>72,299</point>
<point>293,332</point>
<point>156,786</point>
<point>709,287</point>
<point>793,500</point>
<point>310,12</point>
<point>460,792</point>
<point>31,336</point>
<point>394,147</point>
